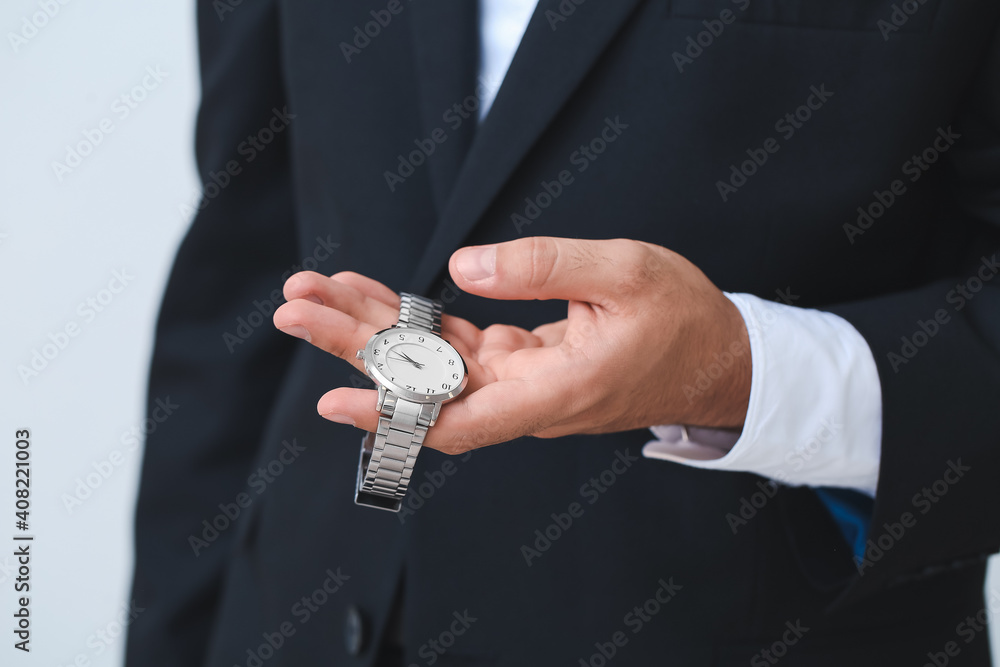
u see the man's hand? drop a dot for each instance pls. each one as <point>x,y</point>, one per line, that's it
<point>641,322</point>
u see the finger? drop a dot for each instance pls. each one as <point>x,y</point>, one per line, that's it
<point>551,334</point>
<point>346,405</point>
<point>539,267</point>
<point>341,296</point>
<point>498,412</point>
<point>502,339</point>
<point>370,287</point>
<point>509,337</point>
<point>453,327</point>
<point>327,328</point>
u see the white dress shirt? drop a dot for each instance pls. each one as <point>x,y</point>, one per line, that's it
<point>815,412</point>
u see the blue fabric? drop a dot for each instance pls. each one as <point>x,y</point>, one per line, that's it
<point>852,510</point>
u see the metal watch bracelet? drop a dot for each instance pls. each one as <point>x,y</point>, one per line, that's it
<point>389,454</point>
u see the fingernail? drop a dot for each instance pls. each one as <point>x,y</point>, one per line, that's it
<point>477,263</point>
<point>340,419</point>
<point>297,330</point>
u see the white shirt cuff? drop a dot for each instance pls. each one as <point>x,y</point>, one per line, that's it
<point>815,411</point>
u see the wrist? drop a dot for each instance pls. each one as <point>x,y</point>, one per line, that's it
<point>727,370</point>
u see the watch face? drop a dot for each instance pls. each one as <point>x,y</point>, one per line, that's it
<point>415,364</point>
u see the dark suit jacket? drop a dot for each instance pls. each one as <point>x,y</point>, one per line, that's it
<point>867,88</point>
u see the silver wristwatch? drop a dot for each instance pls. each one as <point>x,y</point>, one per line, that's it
<point>416,371</point>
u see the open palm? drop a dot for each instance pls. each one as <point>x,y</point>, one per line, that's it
<point>507,365</point>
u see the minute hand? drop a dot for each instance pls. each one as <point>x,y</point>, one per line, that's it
<point>404,357</point>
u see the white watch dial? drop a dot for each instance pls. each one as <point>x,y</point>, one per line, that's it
<point>418,362</point>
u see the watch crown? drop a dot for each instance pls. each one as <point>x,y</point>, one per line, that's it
<point>360,354</point>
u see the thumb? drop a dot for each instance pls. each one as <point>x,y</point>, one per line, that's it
<point>542,267</point>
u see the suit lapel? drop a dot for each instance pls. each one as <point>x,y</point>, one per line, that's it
<point>446,50</point>
<point>547,68</point>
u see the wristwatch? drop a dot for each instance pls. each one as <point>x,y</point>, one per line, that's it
<point>416,371</point>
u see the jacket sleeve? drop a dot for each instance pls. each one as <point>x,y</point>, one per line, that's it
<point>213,378</point>
<point>937,349</point>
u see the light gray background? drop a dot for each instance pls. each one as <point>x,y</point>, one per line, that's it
<point>60,244</point>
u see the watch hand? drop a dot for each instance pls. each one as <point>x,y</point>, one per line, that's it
<point>415,363</point>
<point>410,361</point>
<point>401,358</point>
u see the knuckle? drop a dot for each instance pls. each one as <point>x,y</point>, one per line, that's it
<point>502,334</point>
<point>456,446</point>
<point>533,426</point>
<point>293,284</point>
<point>543,254</point>
<point>345,276</point>
<point>310,276</point>
<point>637,269</point>
<point>305,281</point>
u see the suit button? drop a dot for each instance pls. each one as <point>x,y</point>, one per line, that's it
<point>354,630</point>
